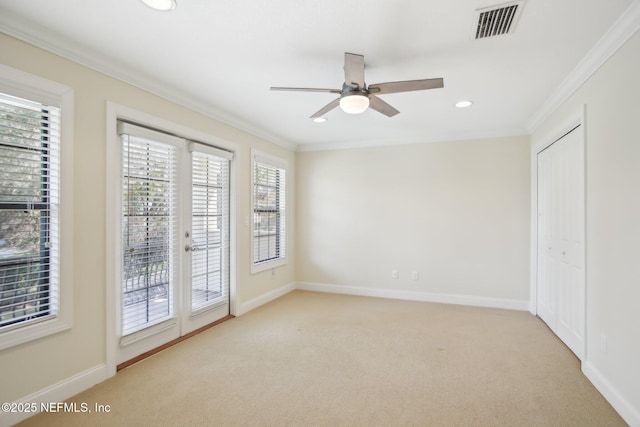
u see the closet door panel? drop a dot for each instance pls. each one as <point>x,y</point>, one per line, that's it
<point>561,243</point>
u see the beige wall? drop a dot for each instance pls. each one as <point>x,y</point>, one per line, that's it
<point>613,216</point>
<point>455,212</point>
<point>33,366</point>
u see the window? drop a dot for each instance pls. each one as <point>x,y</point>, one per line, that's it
<point>269,207</point>
<point>31,294</point>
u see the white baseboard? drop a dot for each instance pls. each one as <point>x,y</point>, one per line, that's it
<point>628,413</point>
<point>265,298</point>
<point>58,392</point>
<point>477,301</point>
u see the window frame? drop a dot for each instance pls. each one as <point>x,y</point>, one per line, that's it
<point>280,163</point>
<point>37,89</point>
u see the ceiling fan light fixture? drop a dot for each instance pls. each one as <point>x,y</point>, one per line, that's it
<point>464,104</point>
<point>356,98</point>
<point>162,5</point>
<point>354,104</point>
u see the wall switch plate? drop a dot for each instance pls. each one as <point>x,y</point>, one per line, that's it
<point>395,274</point>
<point>414,275</point>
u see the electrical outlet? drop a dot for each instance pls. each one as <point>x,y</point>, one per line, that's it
<point>414,275</point>
<point>395,274</point>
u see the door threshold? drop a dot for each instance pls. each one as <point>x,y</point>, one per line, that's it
<point>170,343</point>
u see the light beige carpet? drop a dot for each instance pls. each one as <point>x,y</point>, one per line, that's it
<point>311,359</point>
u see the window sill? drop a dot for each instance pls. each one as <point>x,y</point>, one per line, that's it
<point>268,265</point>
<point>32,332</point>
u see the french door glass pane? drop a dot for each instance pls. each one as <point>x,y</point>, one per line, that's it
<point>148,224</point>
<point>210,230</point>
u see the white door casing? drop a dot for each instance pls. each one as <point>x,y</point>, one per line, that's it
<point>193,254</point>
<point>115,113</point>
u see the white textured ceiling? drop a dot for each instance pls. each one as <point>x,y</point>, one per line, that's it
<point>220,57</point>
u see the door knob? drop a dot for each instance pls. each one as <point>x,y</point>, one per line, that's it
<point>188,248</point>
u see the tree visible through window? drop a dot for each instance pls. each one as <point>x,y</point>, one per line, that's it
<point>149,200</point>
<point>29,197</point>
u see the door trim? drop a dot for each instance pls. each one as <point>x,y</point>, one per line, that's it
<point>115,112</point>
<point>538,144</point>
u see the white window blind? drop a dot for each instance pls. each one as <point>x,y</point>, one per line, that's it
<point>269,216</point>
<point>149,204</point>
<point>210,230</point>
<point>29,211</point>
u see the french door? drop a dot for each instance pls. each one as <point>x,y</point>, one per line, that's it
<point>174,233</point>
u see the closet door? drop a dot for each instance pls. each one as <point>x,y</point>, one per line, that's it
<point>561,244</point>
<point>571,244</point>
<point>546,304</point>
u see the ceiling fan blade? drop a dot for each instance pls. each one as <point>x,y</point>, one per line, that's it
<point>382,107</point>
<point>354,69</point>
<point>306,89</point>
<point>405,86</point>
<point>330,106</point>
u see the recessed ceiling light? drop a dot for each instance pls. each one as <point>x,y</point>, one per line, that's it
<point>320,119</point>
<point>162,5</point>
<point>464,104</point>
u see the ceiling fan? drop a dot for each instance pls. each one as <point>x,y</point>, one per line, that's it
<point>356,96</point>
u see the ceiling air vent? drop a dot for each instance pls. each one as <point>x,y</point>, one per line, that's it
<point>497,20</point>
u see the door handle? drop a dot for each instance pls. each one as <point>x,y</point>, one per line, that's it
<point>188,248</point>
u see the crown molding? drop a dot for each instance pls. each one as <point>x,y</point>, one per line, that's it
<point>621,31</point>
<point>370,143</point>
<point>21,30</point>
